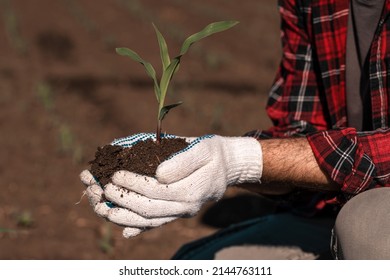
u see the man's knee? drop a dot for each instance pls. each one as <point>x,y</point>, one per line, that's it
<point>363,226</point>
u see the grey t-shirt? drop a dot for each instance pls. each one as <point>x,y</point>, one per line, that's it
<point>363,20</point>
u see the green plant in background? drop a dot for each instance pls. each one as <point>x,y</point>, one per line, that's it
<point>25,219</point>
<point>170,66</point>
<point>68,143</point>
<point>106,243</point>
<point>77,11</point>
<point>12,27</point>
<point>2,230</point>
<point>45,94</point>
<point>66,138</point>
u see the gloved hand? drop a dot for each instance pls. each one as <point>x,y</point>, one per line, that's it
<point>110,211</point>
<point>183,183</point>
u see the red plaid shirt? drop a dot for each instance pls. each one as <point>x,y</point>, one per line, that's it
<point>309,97</point>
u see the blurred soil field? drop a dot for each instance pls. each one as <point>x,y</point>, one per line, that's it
<point>64,92</point>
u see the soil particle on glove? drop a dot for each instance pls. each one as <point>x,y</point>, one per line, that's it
<point>142,158</point>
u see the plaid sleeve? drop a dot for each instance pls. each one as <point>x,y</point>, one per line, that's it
<point>294,103</point>
<point>356,161</point>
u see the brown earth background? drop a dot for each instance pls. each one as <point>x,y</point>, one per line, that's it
<point>64,91</point>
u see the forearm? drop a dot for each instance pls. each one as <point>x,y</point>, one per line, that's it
<point>289,164</point>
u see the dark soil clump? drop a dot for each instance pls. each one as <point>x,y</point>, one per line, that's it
<point>142,158</point>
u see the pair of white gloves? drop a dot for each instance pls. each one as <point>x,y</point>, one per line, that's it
<point>183,183</point>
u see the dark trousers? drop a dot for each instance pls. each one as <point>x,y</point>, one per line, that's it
<point>361,231</point>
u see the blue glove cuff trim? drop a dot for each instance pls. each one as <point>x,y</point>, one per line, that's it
<point>134,139</point>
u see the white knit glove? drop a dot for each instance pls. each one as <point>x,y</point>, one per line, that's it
<point>183,183</point>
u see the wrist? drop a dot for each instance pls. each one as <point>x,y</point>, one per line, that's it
<point>291,162</point>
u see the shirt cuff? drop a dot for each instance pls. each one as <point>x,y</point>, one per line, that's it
<point>340,154</point>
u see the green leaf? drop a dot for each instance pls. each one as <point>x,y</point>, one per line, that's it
<point>164,110</point>
<point>163,49</point>
<point>167,76</point>
<point>210,29</point>
<point>149,68</point>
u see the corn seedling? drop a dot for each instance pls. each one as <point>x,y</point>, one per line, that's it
<point>204,10</point>
<point>170,66</point>
<point>69,144</point>
<point>135,8</point>
<point>5,230</point>
<point>12,28</point>
<point>66,138</point>
<point>45,94</point>
<point>25,219</point>
<point>106,243</point>
<point>77,11</point>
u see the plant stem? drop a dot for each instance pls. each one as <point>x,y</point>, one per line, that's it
<point>158,132</point>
